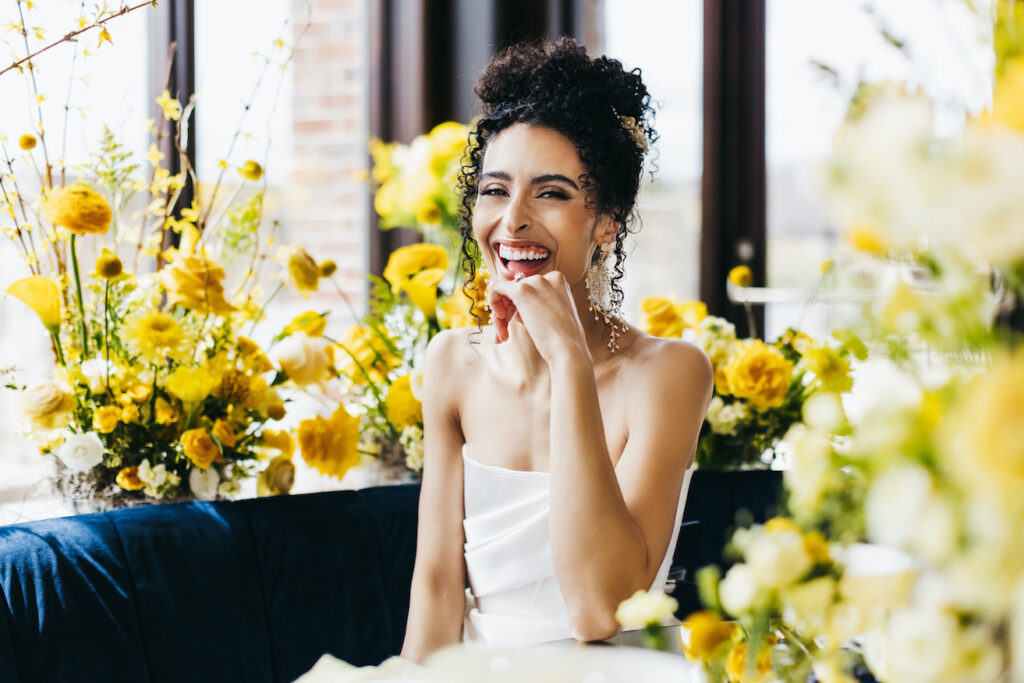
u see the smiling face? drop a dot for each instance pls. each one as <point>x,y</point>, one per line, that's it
<point>531,214</point>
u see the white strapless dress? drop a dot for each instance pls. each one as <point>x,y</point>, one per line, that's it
<point>513,597</point>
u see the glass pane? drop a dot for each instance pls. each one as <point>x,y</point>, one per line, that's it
<point>943,54</point>
<point>666,256</point>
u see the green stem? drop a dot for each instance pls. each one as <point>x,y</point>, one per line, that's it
<point>81,304</point>
<point>192,415</point>
<point>56,347</point>
<point>259,314</point>
<point>106,332</point>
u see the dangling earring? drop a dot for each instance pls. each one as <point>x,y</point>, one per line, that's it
<point>599,292</point>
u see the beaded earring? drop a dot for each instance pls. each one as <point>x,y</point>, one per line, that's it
<point>599,290</point>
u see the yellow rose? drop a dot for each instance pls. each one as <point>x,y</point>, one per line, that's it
<point>406,262</point>
<point>759,374</point>
<point>277,479</point>
<point>403,409</point>
<point>191,385</point>
<point>304,360</point>
<point>41,295</point>
<point>27,141</point>
<point>311,323</point>
<point>422,289</point>
<point>139,393</point>
<point>200,448</point>
<point>130,414</point>
<point>251,170</point>
<point>106,419</point>
<point>661,317</point>
<point>278,439</point>
<point>48,405</point>
<point>79,208</point>
<point>165,413</point>
<point>224,433</point>
<point>365,356</point>
<point>329,445</point>
<point>128,479</point>
<point>708,633</point>
<point>108,266</point>
<point>196,283</point>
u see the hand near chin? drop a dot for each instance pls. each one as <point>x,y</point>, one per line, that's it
<point>544,305</point>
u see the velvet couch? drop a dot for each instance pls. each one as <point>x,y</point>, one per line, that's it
<point>253,590</point>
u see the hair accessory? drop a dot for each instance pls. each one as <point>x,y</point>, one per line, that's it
<point>599,285</point>
<point>635,130</point>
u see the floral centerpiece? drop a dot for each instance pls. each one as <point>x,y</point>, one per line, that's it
<point>760,388</point>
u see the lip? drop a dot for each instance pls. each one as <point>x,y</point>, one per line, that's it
<point>519,244</point>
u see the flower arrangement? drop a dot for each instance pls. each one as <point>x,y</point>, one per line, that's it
<point>158,390</point>
<point>760,388</point>
<point>925,468</point>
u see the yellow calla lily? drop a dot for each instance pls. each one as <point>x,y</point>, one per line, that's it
<point>422,289</point>
<point>41,295</point>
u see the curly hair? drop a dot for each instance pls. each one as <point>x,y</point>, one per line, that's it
<point>556,85</point>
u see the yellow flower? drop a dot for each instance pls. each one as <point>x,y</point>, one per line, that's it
<point>406,262</point>
<point>778,525</point>
<point>278,439</point>
<point>311,323</point>
<point>301,270</point>
<point>661,317</point>
<point>830,369</point>
<point>403,409</point>
<point>200,448</point>
<point>277,479</point>
<point>386,200</point>
<point>128,479</point>
<point>817,547</point>
<point>645,608</point>
<point>170,106</point>
<point>251,170</point>
<point>48,405</point>
<point>196,283</point>
<point>154,335</point>
<point>104,36</point>
<point>165,412</point>
<point>79,208</point>
<point>741,276</point>
<point>130,414</point>
<point>41,295</point>
<point>191,385</point>
<point>760,374</point>
<point>139,393</point>
<point>736,664</point>
<point>1008,98</point>
<point>235,387</point>
<point>428,213</point>
<point>304,360</point>
<point>328,268</point>
<point>329,445</point>
<point>422,289</point>
<point>866,238</point>
<point>363,351</point>
<point>27,141</point>
<point>108,266</point>
<point>468,306</point>
<point>417,191</point>
<point>692,312</point>
<point>106,419</point>
<point>224,433</point>
<point>252,356</point>
<point>383,169</point>
<point>448,142</point>
<point>708,633</point>
<point>827,266</point>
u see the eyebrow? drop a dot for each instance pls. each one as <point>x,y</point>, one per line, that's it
<point>546,178</point>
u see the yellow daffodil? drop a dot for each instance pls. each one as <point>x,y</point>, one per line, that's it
<point>406,262</point>
<point>128,479</point>
<point>422,289</point>
<point>41,295</point>
<point>428,213</point>
<point>741,276</point>
<point>280,440</point>
<point>277,479</point>
<point>236,387</point>
<point>108,265</point>
<point>329,445</point>
<point>760,374</point>
<point>253,356</point>
<point>165,413</point>
<point>403,409</point>
<point>200,448</point>
<point>251,170</point>
<point>78,208</point>
<point>154,335</point>
<point>27,141</point>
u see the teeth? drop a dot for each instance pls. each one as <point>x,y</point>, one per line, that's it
<point>529,254</point>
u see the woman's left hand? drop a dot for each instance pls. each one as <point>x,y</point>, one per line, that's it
<point>544,305</point>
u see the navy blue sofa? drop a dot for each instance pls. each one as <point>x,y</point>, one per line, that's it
<point>252,590</point>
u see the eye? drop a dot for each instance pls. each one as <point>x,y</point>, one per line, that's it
<point>553,194</point>
<point>493,191</point>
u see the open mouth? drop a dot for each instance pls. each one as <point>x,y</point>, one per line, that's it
<point>525,260</point>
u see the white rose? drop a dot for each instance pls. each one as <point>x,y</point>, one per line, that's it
<point>738,589</point>
<point>304,359</point>
<point>204,483</point>
<point>96,372</point>
<point>778,559</point>
<point>48,405</point>
<point>81,452</point>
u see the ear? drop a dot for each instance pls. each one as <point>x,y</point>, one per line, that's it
<point>606,229</point>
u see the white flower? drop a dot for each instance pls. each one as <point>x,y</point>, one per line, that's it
<point>204,483</point>
<point>645,608</point>
<point>823,412</point>
<point>228,489</point>
<point>804,604</point>
<point>304,359</point>
<point>903,510</point>
<point>412,443</point>
<point>778,559</point>
<point>812,473</point>
<point>96,372</point>
<point>738,589</point>
<point>153,476</point>
<point>724,418</point>
<point>81,452</point>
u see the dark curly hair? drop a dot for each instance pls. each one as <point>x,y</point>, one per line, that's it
<point>556,85</point>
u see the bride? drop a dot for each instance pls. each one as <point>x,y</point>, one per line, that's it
<point>558,439</point>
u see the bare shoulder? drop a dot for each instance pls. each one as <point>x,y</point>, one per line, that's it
<point>450,350</point>
<point>672,362</point>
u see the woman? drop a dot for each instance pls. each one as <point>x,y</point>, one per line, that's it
<point>557,441</point>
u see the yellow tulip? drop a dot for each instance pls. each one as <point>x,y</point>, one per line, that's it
<point>41,295</point>
<point>422,289</point>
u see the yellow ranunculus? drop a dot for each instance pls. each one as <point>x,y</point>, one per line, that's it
<point>251,170</point>
<point>277,479</point>
<point>165,413</point>
<point>406,262</point>
<point>448,141</point>
<point>154,335</point>
<point>831,370</point>
<point>130,414</point>
<point>736,664</point>
<point>79,208</point>
<point>279,440</point>
<point>200,448</point>
<point>760,374</point>
<point>27,141</point>
<point>108,265</point>
<point>191,385</point>
<point>195,282</point>
<point>422,289</point>
<point>741,276</point>
<point>302,271</point>
<point>403,409</point>
<point>47,405</point>
<point>708,633</point>
<point>41,295</point>
<point>311,323</point>
<point>661,317</point>
<point>329,445</point>
<point>128,479</point>
<point>106,419</point>
<point>224,433</point>
<point>363,351</point>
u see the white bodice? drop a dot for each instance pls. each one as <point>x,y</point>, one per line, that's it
<point>513,597</point>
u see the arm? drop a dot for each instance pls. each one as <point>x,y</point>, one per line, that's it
<point>437,600</point>
<point>610,527</point>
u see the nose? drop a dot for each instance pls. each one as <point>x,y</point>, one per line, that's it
<point>516,216</point>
